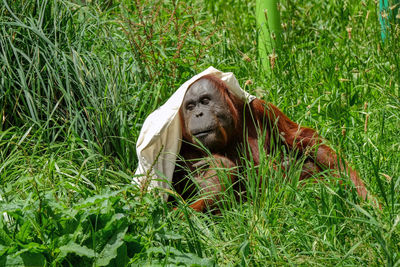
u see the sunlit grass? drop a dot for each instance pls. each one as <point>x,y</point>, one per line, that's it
<point>77,81</point>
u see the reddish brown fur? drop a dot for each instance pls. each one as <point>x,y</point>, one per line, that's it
<point>249,119</point>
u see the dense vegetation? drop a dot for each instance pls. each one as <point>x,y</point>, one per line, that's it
<point>78,78</point>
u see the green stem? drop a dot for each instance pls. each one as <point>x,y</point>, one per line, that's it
<point>269,37</point>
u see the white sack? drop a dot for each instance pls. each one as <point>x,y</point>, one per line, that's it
<point>162,130</point>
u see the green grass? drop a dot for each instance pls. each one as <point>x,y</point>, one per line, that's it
<point>78,80</point>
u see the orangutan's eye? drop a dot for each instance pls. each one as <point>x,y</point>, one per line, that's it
<point>205,100</point>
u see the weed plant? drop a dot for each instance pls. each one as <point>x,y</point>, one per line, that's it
<point>78,78</point>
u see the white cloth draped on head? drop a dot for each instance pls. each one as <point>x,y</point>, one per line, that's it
<point>161,134</point>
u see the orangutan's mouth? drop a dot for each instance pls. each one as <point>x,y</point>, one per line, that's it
<point>203,133</point>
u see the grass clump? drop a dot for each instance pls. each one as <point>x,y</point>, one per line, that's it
<point>78,78</point>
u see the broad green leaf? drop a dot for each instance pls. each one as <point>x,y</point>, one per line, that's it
<point>25,259</point>
<point>111,248</point>
<point>77,249</point>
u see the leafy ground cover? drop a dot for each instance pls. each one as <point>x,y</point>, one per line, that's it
<point>78,78</point>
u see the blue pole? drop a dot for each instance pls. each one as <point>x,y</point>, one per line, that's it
<point>386,14</point>
<point>384,20</point>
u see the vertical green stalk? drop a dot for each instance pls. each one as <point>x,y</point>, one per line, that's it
<point>269,37</point>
